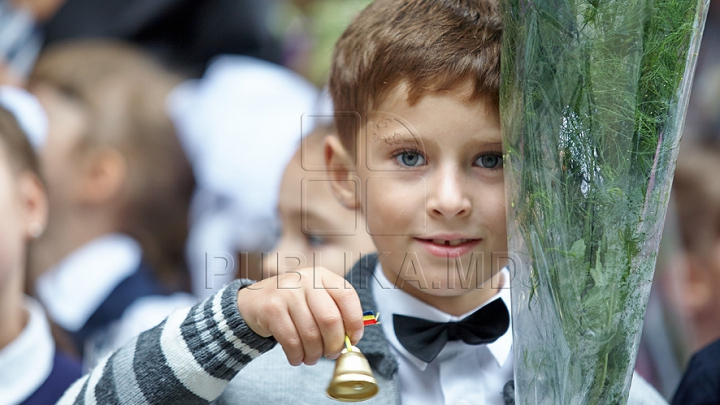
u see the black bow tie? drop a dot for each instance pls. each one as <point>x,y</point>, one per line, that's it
<point>425,339</point>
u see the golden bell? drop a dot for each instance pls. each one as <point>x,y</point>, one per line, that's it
<point>353,380</point>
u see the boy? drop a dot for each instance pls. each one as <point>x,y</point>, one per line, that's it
<point>118,182</point>
<point>429,167</point>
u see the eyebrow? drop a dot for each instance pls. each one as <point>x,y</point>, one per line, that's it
<point>472,143</point>
<point>498,145</point>
<point>393,137</point>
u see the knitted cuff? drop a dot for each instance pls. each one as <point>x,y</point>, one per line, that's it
<point>218,337</point>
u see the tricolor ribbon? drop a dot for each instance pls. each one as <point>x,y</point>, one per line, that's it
<point>369,318</point>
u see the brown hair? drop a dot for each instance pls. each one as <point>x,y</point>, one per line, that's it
<point>431,45</point>
<point>124,92</point>
<point>16,145</point>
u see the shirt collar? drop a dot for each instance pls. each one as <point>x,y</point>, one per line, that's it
<point>27,361</point>
<point>73,289</point>
<point>391,300</point>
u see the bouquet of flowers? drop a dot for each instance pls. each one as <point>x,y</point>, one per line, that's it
<point>593,100</point>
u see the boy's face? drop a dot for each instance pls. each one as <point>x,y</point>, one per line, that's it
<point>316,228</point>
<point>434,195</point>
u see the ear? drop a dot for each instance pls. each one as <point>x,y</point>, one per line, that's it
<point>35,204</point>
<point>340,166</point>
<point>104,175</point>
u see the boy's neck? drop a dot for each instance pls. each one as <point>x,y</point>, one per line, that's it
<point>463,304</point>
<point>459,304</point>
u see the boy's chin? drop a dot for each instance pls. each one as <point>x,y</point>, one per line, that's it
<point>444,287</point>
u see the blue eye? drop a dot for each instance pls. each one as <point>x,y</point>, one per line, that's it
<point>315,241</point>
<point>489,161</point>
<point>410,159</point>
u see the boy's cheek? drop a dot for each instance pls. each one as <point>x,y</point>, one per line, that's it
<point>394,204</point>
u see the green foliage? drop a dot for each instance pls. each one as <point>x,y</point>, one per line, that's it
<point>593,99</point>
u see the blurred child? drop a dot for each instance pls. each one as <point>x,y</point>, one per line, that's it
<point>118,183</point>
<point>696,275</point>
<point>316,229</point>
<point>32,371</point>
<point>424,166</point>
<point>696,192</point>
<point>239,124</point>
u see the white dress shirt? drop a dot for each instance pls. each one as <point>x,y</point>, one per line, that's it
<point>75,288</point>
<point>462,374</point>
<point>27,361</point>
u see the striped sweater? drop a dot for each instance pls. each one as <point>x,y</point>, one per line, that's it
<point>189,358</point>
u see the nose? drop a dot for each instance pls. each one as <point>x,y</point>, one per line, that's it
<point>448,195</point>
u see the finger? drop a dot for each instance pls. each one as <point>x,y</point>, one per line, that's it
<point>309,332</point>
<point>284,331</point>
<point>348,303</point>
<point>329,321</point>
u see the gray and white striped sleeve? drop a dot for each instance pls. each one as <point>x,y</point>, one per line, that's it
<point>189,358</point>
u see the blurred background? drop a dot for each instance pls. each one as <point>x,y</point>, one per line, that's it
<point>683,313</point>
<point>168,126</point>
<point>233,86</point>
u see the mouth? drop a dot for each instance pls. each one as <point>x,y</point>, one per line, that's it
<point>449,246</point>
<point>446,242</point>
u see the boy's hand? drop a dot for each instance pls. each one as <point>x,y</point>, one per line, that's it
<point>309,312</point>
